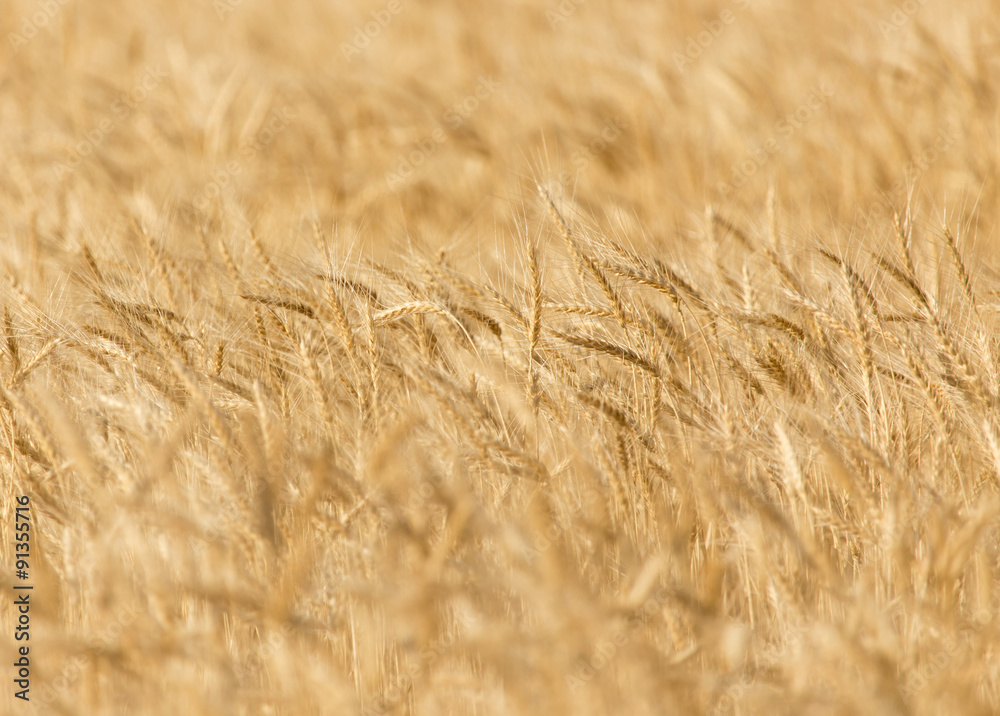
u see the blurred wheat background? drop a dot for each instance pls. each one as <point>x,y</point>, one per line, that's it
<point>502,358</point>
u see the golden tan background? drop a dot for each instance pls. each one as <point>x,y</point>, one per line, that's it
<point>558,422</point>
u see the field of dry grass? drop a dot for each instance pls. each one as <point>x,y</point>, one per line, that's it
<point>501,358</point>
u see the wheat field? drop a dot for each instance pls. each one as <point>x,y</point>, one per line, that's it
<point>568,357</point>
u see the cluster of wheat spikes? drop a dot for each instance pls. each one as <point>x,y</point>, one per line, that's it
<point>613,482</point>
<point>498,358</point>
